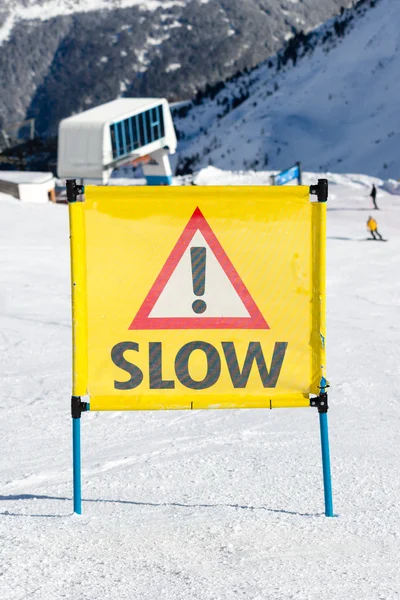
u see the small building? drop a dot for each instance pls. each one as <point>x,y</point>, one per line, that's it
<point>124,131</point>
<point>28,186</point>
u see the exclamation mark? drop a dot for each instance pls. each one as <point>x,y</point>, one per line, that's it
<point>198,258</point>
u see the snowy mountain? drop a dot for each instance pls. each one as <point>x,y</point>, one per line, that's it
<point>201,505</point>
<point>328,99</point>
<point>59,57</point>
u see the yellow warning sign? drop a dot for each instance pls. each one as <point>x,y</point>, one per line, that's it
<point>198,297</point>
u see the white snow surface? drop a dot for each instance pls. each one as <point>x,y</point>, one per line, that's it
<point>26,176</point>
<point>392,186</point>
<point>337,109</point>
<point>209,505</point>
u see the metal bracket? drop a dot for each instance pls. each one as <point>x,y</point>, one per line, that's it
<point>320,402</point>
<point>78,407</point>
<point>320,190</point>
<point>74,190</point>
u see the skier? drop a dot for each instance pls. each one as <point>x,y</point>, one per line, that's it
<point>372,226</point>
<point>373,196</point>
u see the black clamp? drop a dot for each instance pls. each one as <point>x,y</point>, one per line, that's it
<point>74,190</point>
<point>320,190</point>
<point>320,402</point>
<point>77,407</point>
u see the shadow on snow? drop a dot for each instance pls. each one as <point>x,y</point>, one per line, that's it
<point>134,503</point>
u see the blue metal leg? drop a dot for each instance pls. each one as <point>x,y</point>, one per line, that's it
<point>76,459</point>
<point>326,463</point>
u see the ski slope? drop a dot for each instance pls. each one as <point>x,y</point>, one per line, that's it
<point>336,109</point>
<point>209,505</point>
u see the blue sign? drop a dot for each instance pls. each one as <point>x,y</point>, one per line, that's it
<point>288,175</point>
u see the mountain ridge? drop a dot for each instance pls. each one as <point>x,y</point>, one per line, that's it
<point>320,101</point>
<point>52,68</point>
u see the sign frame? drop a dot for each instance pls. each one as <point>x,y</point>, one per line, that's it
<point>75,196</point>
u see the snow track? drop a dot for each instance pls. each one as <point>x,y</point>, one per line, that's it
<point>209,505</point>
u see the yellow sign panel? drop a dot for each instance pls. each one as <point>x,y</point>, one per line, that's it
<point>198,297</point>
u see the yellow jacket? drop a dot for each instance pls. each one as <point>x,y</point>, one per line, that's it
<point>372,224</point>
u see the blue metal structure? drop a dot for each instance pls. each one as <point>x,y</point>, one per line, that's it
<point>76,464</point>
<point>326,459</point>
<point>326,463</point>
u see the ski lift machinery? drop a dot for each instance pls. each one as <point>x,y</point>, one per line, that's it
<point>95,142</point>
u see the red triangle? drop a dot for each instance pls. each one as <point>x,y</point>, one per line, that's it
<point>142,321</point>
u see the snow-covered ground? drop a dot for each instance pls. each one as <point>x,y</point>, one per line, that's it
<point>210,505</point>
